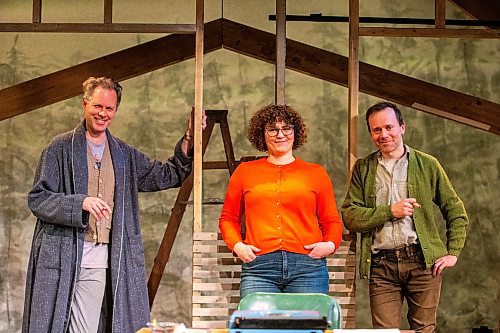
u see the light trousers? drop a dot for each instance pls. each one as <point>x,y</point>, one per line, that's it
<point>87,300</point>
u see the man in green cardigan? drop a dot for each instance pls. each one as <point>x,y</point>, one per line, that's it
<point>390,201</point>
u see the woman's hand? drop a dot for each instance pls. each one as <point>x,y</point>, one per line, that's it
<point>321,249</point>
<point>245,252</point>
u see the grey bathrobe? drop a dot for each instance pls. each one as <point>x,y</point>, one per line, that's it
<point>56,199</point>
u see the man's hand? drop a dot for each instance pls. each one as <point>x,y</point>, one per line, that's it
<point>320,249</point>
<point>187,143</point>
<point>190,129</point>
<point>245,252</point>
<point>98,208</point>
<point>442,263</point>
<point>404,208</point>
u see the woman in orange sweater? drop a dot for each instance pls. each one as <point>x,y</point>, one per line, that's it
<point>291,219</point>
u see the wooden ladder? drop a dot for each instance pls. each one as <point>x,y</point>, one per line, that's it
<point>213,117</point>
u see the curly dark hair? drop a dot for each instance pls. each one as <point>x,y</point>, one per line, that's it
<point>267,117</point>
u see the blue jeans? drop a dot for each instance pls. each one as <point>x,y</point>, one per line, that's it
<point>284,272</point>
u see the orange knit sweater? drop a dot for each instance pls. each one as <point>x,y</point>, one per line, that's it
<point>285,207</point>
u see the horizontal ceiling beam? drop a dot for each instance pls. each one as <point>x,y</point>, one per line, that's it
<point>429,32</point>
<point>386,20</point>
<point>99,28</point>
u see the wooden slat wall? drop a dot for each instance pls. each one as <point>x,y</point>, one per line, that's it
<point>216,281</point>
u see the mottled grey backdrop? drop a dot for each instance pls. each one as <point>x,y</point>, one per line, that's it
<point>155,106</point>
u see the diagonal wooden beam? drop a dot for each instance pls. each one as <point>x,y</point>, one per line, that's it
<point>481,10</point>
<point>122,65</point>
<point>373,80</point>
<point>258,44</point>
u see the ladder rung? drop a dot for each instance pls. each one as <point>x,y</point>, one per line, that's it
<point>209,201</point>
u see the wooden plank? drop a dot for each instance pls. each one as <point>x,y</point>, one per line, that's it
<point>217,299</point>
<point>121,65</point>
<point>338,288</point>
<point>216,286</point>
<point>340,262</point>
<point>346,300</point>
<point>99,27</point>
<point>219,280</point>
<point>440,14</point>
<point>198,115</point>
<point>222,268</point>
<point>204,312</point>
<point>222,272</point>
<point>228,146</point>
<point>37,11</point>
<point>108,11</point>
<point>215,165</point>
<point>353,85</point>
<point>216,261</point>
<point>348,294</point>
<point>429,32</point>
<point>346,313</point>
<point>279,90</point>
<point>341,275</point>
<point>481,10</point>
<point>374,80</point>
<point>459,119</point>
<point>227,293</point>
<point>211,249</point>
<point>205,236</point>
<point>349,269</point>
<point>209,324</point>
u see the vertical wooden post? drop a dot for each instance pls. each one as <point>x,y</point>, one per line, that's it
<point>353,81</point>
<point>279,90</point>
<point>440,14</point>
<point>37,11</point>
<point>198,114</point>
<point>108,11</point>
<point>353,84</point>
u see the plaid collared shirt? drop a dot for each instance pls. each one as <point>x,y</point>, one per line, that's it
<point>391,187</point>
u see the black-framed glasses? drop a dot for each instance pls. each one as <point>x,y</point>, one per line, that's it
<point>286,130</point>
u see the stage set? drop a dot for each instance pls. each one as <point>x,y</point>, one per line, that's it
<point>193,278</point>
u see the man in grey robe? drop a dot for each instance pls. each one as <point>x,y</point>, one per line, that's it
<point>87,250</point>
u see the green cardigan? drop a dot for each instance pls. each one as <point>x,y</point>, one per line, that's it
<point>428,183</point>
